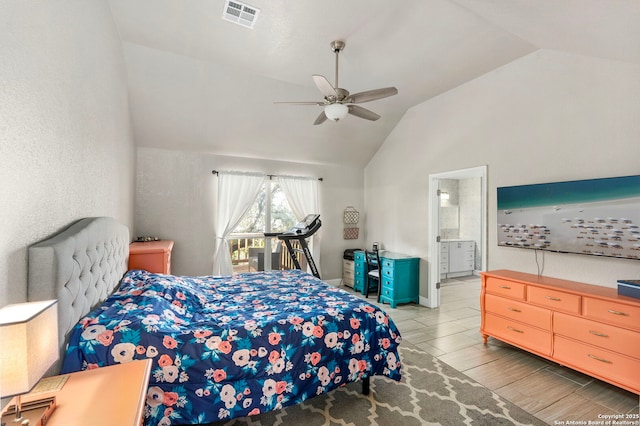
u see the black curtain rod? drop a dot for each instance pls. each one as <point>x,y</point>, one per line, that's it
<point>215,172</point>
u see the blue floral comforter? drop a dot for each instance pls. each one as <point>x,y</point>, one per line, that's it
<point>225,347</point>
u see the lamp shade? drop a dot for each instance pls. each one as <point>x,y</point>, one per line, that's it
<point>336,111</point>
<point>28,344</point>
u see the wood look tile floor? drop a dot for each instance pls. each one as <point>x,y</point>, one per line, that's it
<point>552,393</point>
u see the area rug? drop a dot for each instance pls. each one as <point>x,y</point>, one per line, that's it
<point>430,393</point>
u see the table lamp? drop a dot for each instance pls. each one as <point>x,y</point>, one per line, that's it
<point>28,347</point>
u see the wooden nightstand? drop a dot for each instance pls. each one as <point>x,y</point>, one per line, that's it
<point>106,396</point>
<point>152,256</point>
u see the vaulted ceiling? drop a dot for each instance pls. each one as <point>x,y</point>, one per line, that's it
<point>198,82</point>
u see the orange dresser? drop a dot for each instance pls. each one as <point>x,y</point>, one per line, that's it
<point>589,328</point>
<point>152,256</point>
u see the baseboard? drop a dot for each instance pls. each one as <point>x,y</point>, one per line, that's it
<point>335,282</point>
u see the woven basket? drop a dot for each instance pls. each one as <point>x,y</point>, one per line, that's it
<point>351,216</point>
<point>351,233</point>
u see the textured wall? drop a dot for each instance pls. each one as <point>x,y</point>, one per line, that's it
<point>66,145</point>
<point>548,116</point>
<point>175,200</point>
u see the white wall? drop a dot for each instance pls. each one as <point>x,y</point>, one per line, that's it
<point>66,146</point>
<point>470,193</point>
<point>548,116</point>
<point>175,200</point>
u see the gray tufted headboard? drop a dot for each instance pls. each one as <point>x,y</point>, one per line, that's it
<point>80,267</point>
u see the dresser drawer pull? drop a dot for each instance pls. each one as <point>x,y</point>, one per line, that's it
<point>514,309</point>
<point>515,329</point>
<point>506,287</point>
<point>595,333</point>
<point>555,299</point>
<point>624,314</point>
<point>600,359</point>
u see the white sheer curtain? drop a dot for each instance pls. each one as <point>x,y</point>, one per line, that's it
<point>302,195</point>
<point>236,194</point>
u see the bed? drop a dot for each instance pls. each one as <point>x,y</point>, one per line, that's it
<point>222,347</point>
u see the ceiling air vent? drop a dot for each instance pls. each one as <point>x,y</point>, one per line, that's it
<point>239,13</point>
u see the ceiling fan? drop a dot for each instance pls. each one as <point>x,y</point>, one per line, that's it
<point>339,102</point>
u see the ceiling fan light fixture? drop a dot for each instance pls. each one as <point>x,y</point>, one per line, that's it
<point>338,102</point>
<point>336,111</point>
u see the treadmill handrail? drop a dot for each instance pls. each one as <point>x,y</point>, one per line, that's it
<point>304,233</point>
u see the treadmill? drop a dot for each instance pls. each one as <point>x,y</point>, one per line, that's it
<point>301,232</point>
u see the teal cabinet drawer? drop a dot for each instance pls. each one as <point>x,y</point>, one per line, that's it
<point>386,263</point>
<point>387,293</point>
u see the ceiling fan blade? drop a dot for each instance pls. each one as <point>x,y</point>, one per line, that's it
<point>372,95</point>
<point>358,111</point>
<point>324,86</point>
<point>301,103</point>
<point>321,119</point>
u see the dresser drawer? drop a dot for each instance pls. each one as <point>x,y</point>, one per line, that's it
<point>387,266</point>
<point>599,362</point>
<point>506,288</point>
<point>387,263</point>
<point>347,265</point>
<point>557,300</point>
<point>468,265</point>
<point>612,312</point>
<point>387,272</point>
<point>359,255</point>
<point>387,290</point>
<point>468,246</point>
<point>606,336</point>
<point>532,315</point>
<point>518,333</point>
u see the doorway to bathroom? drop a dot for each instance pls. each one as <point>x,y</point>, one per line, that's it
<point>457,227</point>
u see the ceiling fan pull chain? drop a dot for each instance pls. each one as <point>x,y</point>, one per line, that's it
<point>337,55</point>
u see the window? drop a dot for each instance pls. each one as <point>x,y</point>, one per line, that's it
<point>271,207</point>
<point>270,213</point>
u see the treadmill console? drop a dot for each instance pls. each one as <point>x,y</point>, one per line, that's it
<point>308,222</point>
